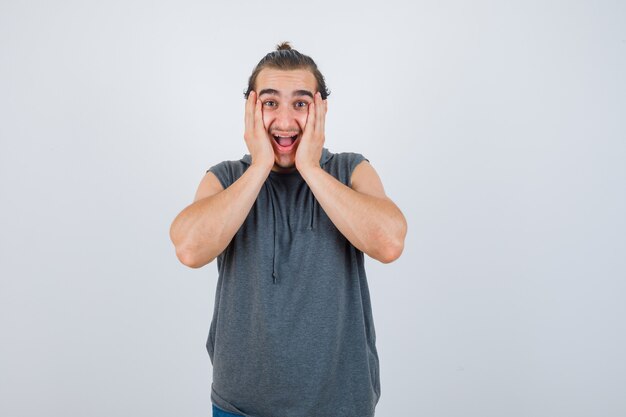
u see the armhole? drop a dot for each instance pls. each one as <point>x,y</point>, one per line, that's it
<point>222,173</point>
<point>354,162</point>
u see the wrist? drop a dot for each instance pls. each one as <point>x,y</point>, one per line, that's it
<point>262,169</point>
<point>308,169</point>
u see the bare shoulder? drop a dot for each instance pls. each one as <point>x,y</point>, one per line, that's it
<point>365,180</point>
<point>209,185</point>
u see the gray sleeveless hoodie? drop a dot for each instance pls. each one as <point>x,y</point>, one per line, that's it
<point>292,333</point>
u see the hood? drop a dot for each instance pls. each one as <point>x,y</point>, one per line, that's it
<point>247,159</point>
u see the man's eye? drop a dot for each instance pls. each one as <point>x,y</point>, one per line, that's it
<point>303,104</point>
<point>269,101</point>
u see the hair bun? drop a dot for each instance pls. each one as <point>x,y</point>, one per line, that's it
<point>283,46</point>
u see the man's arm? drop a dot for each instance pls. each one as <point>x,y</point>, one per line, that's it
<point>205,228</point>
<point>363,213</point>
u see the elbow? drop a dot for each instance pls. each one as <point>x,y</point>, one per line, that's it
<point>189,259</point>
<point>391,253</point>
<point>185,255</point>
<point>393,250</point>
<point>185,258</point>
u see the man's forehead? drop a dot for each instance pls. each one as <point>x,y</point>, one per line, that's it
<point>286,83</point>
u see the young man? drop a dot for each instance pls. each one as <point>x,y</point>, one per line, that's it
<point>292,331</point>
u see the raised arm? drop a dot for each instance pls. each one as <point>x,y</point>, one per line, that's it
<point>205,228</point>
<point>362,213</point>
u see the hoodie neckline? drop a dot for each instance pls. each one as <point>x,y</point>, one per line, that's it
<point>326,155</point>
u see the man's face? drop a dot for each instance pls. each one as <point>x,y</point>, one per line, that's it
<point>285,98</point>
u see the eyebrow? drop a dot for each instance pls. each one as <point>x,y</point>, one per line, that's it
<point>294,94</point>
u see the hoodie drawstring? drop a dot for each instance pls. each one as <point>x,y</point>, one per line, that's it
<point>274,270</point>
<point>312,224</point>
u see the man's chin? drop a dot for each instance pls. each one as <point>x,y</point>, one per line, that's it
<point>284,165</point>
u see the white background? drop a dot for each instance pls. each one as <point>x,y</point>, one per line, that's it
<point>497,127</point>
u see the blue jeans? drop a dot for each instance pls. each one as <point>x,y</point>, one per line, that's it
<point>218,412</point>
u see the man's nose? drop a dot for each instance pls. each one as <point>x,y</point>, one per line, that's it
<point>285,116</point>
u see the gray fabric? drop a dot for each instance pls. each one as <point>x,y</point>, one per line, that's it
<point>292,333</point>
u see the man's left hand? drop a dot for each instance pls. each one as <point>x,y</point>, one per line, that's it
<point>309,150</point>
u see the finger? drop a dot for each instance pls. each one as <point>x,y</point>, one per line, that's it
<point>321,112</point>
<point>310,120</point>
<point>258,117</point>
<point>317,111</point>
<point>249,113</point>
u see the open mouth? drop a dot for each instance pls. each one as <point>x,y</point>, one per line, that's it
<point>285,142</point>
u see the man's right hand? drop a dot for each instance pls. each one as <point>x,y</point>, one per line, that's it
<point>257,140</point>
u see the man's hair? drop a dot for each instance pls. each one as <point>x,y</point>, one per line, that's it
<point>285,58</point>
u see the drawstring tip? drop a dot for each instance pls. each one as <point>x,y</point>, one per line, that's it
<point>274,277</point>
